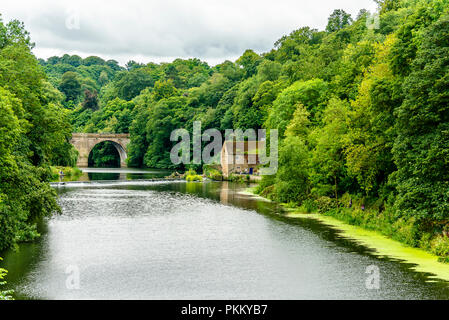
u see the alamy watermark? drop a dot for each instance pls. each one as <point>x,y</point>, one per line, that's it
<point>242,147</point>
<point>73,277</point>
<point>372,282</point>
<point>373,21</point>
<point>72,21</point>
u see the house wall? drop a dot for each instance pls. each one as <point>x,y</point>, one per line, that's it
<point>233,164</point>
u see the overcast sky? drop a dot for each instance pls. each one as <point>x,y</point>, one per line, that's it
<point>161,30</point>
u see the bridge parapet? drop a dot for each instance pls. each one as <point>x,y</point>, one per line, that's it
<point>101,135</point>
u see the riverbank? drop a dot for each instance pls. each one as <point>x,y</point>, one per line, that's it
<point>69,173</point>
<point>383,246</point>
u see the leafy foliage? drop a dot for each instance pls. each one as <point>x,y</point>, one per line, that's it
<point>34,132</point>
<point>4,295</point>
<point>421,148</point>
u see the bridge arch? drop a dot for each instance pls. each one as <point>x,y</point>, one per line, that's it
<point>85,142</point>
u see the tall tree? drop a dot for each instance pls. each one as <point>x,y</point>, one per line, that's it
<point>249,62</point>
<point>338,20</point>
<point>70,86</point>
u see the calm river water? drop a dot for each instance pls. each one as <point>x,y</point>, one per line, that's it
<point>177,240</point>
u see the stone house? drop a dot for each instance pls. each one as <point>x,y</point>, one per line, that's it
<point>240,157</point>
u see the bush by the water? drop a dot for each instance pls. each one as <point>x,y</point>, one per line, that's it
<point>325,204</point>
<point>213,174</point>
<point>4,295</point>
<point>191,176</point>
<point>308,206</point>
<point>440,247</point>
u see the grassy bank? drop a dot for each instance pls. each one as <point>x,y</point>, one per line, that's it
<point>70,173</point>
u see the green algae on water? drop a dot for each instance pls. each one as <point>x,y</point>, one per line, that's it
<point>421,260</point>
<point>251,192</point>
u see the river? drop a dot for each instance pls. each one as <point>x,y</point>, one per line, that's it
<point>119,238</point>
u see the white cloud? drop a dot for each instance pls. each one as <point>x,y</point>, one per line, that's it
<point>161,30</point>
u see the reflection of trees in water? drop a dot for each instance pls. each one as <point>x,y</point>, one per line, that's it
<point>106,176</point>
<point>20,263</point>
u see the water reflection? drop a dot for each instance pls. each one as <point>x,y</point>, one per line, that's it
<point>145,240</point>
<point>102,174</point>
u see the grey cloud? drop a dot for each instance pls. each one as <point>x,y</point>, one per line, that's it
<point>161,30</point>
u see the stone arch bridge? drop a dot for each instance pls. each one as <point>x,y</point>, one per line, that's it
<point>85,142</point>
